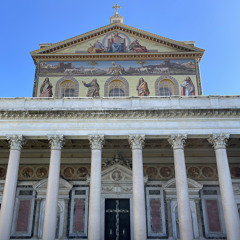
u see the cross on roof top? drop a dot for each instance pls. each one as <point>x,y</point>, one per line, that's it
<point>116,7</point>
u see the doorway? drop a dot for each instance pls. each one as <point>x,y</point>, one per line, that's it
<point>117,219</point>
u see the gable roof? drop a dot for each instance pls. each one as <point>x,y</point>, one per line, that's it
<point>180,47</point>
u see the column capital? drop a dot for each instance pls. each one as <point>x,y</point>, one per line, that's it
<point>16,142</point>
<point>56,142</point>
<point>177,141</point>
<point>219,141</point>
<point>96,141</point>
<point>136,141</point>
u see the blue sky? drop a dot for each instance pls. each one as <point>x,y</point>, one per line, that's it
<point>213,24</point>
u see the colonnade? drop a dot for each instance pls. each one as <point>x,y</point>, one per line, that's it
<point>136,142</point>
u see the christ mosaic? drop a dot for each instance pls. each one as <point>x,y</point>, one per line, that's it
<point>120,68</point>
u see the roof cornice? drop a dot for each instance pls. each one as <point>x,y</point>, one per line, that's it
<point>180,46</point>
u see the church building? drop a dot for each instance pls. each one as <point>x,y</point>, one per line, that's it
<point>118,143</point>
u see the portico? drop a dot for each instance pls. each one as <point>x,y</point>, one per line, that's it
<point>145,164</point>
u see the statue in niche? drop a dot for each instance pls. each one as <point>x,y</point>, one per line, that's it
<point>188,88</point>
<point>97,47</point>
<point>135,46</point>
<point>142,88</point>
<point>93,88</point>
<point>46,88</point>
<point>116,43</point>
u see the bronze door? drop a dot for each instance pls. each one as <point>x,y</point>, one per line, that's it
<point>117,219</point>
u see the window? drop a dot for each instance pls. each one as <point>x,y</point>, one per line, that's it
<point>166,88</point>
<point>23,212</point>
<point>212,213</point>
<point>79,212</point>
<point>155,212</point>
<point>67,89</point>
<point>116,88</point>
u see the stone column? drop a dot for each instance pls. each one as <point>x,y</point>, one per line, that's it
<point>184,212</point>
<point>50,215</point>
<point>9,193</point>
<point>230,211</point>
<point>139,213</point>
<point>94,220</point>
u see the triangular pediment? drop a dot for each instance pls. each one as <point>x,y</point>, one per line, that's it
<point>125,37</point>
<point>116,173</point>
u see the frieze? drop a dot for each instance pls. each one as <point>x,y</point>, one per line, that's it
<point>112,114</point>
<point>153,172</point>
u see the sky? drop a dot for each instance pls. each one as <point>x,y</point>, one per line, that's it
<point>213,24</point>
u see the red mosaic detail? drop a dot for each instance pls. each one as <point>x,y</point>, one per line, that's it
<point>213,216</point>
<point>79,215</point>
<point>23,215</point>
<point>156,222</point>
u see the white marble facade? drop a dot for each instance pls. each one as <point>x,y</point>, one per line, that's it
<point>136,122</point>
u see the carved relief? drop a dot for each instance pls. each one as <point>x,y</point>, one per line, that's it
<point>117,159</point>
<point>56,142</point>
<point>116,175</point>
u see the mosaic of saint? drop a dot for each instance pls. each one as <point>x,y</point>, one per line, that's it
<point>129,68</point>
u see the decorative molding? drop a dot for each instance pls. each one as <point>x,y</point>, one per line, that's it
<point>96,142</point>
<point>123,114</point>
<point>219,141</point>
<point>16,142</point>
<point>177,141</point>
<point>117,159</point>
<point>166,77</point>
<point>136,141</point>
<point>115,57</point>
<point>56,142</point>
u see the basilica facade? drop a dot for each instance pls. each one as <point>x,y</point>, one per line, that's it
<point>119,143</point>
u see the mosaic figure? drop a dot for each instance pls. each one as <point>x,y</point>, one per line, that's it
<point>27,172</point>
<point>193,172</point>
<point>41,172</point>
<point>166,172</point>
<point>116,70</point>
<point>46,89</point>
<point>116,43</point>
<point>93,88</point>
<point>187,87</point>
<point>68,172</point>
<point>135,46</point>
<point>97,47</point>
<point>142,88</point>
<point>151,172</point>
<point>207,172</point>
<point>82,172</point>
